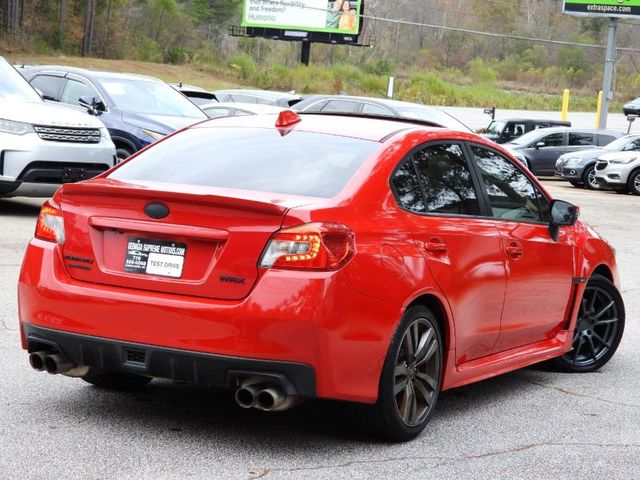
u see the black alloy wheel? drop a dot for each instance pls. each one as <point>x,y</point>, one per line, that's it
<point>598,330</point>
<point>411,376</point>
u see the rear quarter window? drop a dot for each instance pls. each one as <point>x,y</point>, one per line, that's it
<point>266,160</point>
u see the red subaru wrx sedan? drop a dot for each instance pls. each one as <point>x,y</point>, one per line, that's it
<point>322,256</point>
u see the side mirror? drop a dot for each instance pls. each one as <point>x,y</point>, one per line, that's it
<point>562,214</point>
<point>539,145</point>
<point>92,104</point>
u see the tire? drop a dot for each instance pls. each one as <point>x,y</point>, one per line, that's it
<point>402,416</point>
<point>633,184</point>
<point>576,184</point>
<point>588,177</point>
<point>117,381</point>
<point>122,153</point>
<point>599,328</point>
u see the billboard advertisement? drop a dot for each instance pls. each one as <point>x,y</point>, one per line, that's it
<point>603,8</point>
<point>330,16</point>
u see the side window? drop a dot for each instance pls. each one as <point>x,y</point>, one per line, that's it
<point>242,98</point>
<point>408,192</point>
<point>553,140</point>
<point>443,183</point>
<point>49,86</point>
<point>635,145</point>
<point>511,194</point>
<point>74,90</point>
<point>215,112</point>
<point>371,109</point>
<point>340,106</point>
<point>577,139</point>
<point>605,139</point>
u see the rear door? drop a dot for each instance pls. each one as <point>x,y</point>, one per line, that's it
<point>539,270</point>
<point>438,194</point>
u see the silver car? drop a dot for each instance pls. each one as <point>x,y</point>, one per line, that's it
<point>619,171</point>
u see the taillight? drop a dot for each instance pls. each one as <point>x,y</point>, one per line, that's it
<point>50,224</point>
<point>312,246</point>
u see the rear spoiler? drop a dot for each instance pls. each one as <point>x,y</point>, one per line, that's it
<point>111,188</point>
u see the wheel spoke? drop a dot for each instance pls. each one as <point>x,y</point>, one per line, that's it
<point>576,352</point>
<point>420,389</point>
<point>602,312</point>
<point>607,321</point>
<point>428,379</point>
<point>601,340</point>
<point>424,345</point>
<point>410,348</point>
<point>401,385</point>
<point>413,406</point>
<point>433,348</point>
<point>592,304</point>
<point>592,348</point>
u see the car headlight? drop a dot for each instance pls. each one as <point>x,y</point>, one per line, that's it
<point>573,160</point>
<point>15,128</point>
<point>623,161</point>
<point>154,135</point>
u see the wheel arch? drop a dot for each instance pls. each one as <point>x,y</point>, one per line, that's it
<point>604,271</point>
<point>439,306</point>
<point>125,143</point>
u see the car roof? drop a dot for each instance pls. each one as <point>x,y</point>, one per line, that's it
<point>259,93</point>
<point>365,128</point>
<point>89,73</point>
<point>354,98</point>
<point>253,107</point>
<point>576,129</point>
<point>522,119</point>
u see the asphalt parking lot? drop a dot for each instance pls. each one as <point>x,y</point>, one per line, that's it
<point>528,424</point>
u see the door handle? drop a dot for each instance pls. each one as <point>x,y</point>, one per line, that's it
<point>435,245</point>
<point>515,250</point>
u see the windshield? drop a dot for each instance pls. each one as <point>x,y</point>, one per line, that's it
<point>149,97</point>
<point>13,86</point>
<point>619,143</point>
<point>496,128</point>
<point>264,160</point>
<point>435,116</point>
<point>528,138</point>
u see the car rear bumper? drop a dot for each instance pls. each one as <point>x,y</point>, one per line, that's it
<point>315,319</point>
<point>103,355</point>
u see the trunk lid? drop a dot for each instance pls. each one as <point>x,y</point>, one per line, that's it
<point>208,245</point>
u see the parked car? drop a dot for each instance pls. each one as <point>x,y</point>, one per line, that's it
<point>580,167</point>
<point>619,171</point>
<point>632,107</point>
<point>197,95</point>
<point>504,131</point>
<point>44,145</point>
<point>137,110</point>
<point>317,256</point>
<point>224,109</point>
<point>265,97</point>
<point>378,107</point>
<point>541,148</point>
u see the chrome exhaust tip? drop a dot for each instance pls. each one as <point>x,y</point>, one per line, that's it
<point>56,364</point>
<point>246,395</point>
<point>273,399</point>
<point>36,360</point>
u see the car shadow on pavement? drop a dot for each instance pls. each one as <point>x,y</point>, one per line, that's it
<point>197,414</point>
<point>20,207</point>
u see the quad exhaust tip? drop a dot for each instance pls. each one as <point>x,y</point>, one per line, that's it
<point>55,363</point>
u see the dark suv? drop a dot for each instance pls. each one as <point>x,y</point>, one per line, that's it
<point>137,110</point>
<point>503,131</point>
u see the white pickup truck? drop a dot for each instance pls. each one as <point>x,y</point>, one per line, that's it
<point>43,145</point>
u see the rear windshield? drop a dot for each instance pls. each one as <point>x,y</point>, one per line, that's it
<point>265,160</point>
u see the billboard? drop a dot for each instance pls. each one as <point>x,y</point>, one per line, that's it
<point>329,16</point>
<point>603,8</point>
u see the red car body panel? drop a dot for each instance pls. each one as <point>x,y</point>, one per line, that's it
<point>338,322</point>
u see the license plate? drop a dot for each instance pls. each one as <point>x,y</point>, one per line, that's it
<point>155,257</point>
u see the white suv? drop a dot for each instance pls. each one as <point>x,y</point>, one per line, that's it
<point>43,145</point>
<point>619,171</point>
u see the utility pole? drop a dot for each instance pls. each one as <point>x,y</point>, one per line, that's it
<point>609,63</point>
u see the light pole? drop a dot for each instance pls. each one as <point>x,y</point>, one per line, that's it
<point>609,63</point>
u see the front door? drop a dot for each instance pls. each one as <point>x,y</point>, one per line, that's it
<point>438,193</point>
<point>539,269</point>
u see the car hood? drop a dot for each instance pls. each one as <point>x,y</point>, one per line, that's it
<point>44,113</point>
<point>619,155</point>
<point>164,124</point>
<point>592,153</point>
